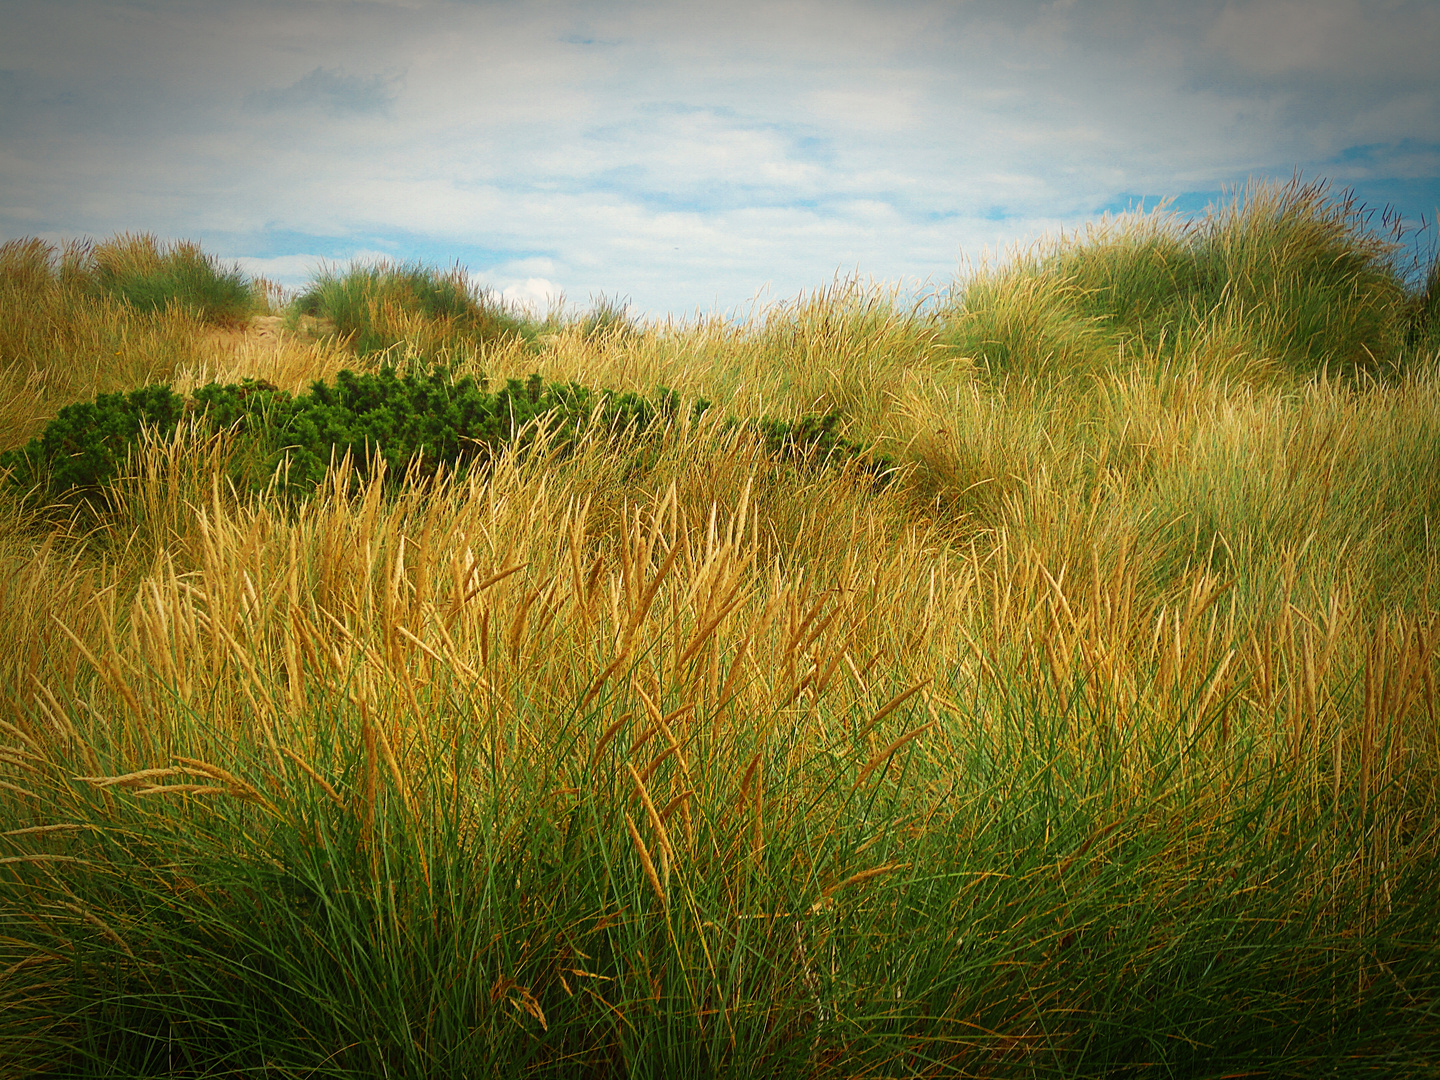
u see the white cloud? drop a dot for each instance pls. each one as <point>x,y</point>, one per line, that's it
<point>291,271</point>
<point>893,103</point>
<point>535,295</point>
<point>679,153</point>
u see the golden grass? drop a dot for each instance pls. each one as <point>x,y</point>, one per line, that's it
<point>1047,553</point>
<point>1192,571</point>
<point>720,592</point>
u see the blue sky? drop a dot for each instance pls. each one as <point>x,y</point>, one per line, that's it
<point>689,156</point>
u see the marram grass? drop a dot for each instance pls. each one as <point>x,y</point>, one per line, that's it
<point>1101,742</point>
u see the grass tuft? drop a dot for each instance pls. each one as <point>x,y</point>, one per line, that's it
<point>149,276</point>
<point>1293,276</point>
<point>426,313</point>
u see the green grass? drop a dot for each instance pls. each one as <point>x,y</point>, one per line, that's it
<point>64,338</point>
<point>149,276</point>
<point>1296,277</point>
<point>426,312</point>
<point>1046,929</point>
<point>1101,741</point>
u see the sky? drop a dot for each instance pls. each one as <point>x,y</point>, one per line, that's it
<point>689,157</point>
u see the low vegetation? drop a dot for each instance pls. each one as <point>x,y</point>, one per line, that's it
<point>1099,740</point>
<point>406,428</point>
<point>376,307</point>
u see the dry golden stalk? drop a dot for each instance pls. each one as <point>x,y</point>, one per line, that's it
<point>858,878</point>
<point>139,776</point>
<point>758,628</point>
<point>426,649</point>
<point>108,671</point>
<point>608,734</point>
<point>40,830</point>
<point>649,703</point>
<point>234,786</point>
<point>11,729</point>
<point>309,771</point>
<point>675,803</point>
<point>645,862</point>
<point>603,677</point>
<point>893,704</point>
<point>40,858</point>
<point>657,761</point>
<point>472,591</point>
<point>885,753</point>
<point>100,924</point>
<point>650,812</point>
<point>748,776</point>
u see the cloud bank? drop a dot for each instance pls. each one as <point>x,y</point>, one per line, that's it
<point>689,156</point>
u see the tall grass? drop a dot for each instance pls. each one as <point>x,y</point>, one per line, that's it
<point>422,312</point>
<point>87,319</point>
<point>1100,742</point>
<point>1288,277</point>
<point>151,276</point>
<point>62,340</point>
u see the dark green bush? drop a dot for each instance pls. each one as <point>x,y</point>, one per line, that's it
<point>415,421</point>
<point>84,446</point>
<point>816,439</point>
<point>425,421</point>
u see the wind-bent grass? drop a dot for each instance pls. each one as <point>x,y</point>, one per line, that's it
<point>61,342</point>
<point>378,307</point>
<point>151,276</point>
<point>1285,277</point>
<point>93,319</point>
<point>1100,742</point>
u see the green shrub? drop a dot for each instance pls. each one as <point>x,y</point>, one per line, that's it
<point>426,421</point>
<point>812,438</point>
<point>382,420</point>
<point>87,442</point>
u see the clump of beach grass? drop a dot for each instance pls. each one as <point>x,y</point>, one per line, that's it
<point>89,318</point>
<point>410,309</point>
<point>1099,741</point>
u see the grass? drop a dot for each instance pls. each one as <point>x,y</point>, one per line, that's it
<point>1289,277</point>
<point>1100,742</point>
<point>149,276</point>
<point>88,319</point>
<point>425,313</point>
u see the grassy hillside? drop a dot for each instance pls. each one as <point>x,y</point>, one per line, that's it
<point>1097,737</point>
